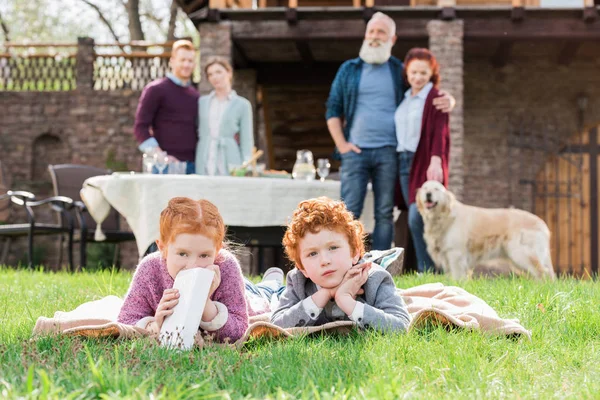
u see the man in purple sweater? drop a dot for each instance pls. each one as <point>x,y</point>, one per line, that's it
<point>167,114</point>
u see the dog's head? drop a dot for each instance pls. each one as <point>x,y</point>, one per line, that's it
<point>434,199</point>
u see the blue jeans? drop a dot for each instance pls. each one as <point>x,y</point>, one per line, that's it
<point>404,163</point>
<point>378,165</point>
<point>266,289</point>
<point>190,168</point>
<point>415,221</point>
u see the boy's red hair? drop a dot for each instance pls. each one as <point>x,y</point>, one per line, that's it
<point>322,213</point>
<point>184,215</point>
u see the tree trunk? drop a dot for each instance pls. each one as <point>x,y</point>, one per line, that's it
<point>135,23</point>
<point>7,32</point>
<point>172,20</point>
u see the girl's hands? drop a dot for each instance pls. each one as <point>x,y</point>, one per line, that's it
<point>216,282</point>
<point>169,300</point>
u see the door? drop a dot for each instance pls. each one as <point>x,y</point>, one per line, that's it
<point>565,195</point>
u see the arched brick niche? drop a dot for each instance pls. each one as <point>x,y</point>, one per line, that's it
<point>46,149</point>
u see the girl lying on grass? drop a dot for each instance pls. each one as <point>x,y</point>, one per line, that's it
<point>326,243</point>
<point>191,236</point>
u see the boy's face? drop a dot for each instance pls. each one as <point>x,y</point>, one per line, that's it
<point>188,250</point>
<point>326,257</point>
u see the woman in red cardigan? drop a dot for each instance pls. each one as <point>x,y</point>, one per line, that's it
<point>423,135</point>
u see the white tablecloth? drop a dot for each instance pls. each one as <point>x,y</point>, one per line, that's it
<point>251,202</point>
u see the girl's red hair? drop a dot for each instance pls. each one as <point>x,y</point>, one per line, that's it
<point>184,215</point>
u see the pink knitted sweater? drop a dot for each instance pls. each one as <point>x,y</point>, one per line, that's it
<point>151,278</point>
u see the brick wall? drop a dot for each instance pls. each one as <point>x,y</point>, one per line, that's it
<point>532,91</point>
<point>446,43</point>
<point>83,126</point>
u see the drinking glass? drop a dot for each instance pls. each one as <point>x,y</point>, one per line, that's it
<point>160,161</point>
<point>323,166</point>
<point>147,163</point>
<point>177,168</point>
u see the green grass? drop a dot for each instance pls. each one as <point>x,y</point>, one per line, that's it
<point>561,361</point>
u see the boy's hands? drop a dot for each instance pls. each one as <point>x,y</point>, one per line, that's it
<point>353,281</point>
<point>351,286</point>
<point>323,295</point>
<point>349,275</point>
<point>169,300</point>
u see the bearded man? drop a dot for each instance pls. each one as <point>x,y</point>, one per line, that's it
<point>360,117</point>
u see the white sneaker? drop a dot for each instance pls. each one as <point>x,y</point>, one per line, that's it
<point>274,274</point>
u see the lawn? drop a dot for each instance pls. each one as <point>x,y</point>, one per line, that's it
<point>562,359</point>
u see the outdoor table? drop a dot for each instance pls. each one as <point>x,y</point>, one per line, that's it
<point>260,203</point>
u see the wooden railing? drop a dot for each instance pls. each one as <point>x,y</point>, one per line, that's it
<point>37,67</point>
<point>55,67</point>
<point>255,4</point>
<point>130,65</point>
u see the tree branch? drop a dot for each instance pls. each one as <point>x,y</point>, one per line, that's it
<point>103,19</point>
<point>172,20</point>
<point>153,18</point>
<point>5,29</point>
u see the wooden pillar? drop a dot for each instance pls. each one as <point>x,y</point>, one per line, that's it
<point>217,4</point>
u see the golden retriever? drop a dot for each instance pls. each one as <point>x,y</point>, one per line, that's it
<point>461,238</point>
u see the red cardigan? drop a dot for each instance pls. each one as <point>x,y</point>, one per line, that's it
<point>434,141</point>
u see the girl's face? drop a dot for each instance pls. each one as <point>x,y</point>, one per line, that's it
<point>419,74</point>
<point>219,77</point>
<point>188,250</point>
<point>326,257</point>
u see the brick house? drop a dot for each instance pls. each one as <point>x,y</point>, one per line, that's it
<point>524,73</point>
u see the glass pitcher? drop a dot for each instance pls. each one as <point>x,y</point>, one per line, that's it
<point>304,168</point>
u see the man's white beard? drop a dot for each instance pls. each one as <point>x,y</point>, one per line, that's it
<point>375,55</point>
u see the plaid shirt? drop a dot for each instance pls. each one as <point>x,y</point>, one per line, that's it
<point>344,91</point>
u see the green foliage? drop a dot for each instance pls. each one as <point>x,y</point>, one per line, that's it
<point>100,255</point>
<point>561,361</point>
<point>38,255</point>
<point>113,164</point>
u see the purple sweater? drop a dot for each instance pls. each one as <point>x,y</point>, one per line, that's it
<point>151,278</point>
<point>172,113</point>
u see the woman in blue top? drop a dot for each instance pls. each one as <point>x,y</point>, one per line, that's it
<point>225,131</point>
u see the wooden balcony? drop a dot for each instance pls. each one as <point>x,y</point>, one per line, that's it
<point>260,4</point>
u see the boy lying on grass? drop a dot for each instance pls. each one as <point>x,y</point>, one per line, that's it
<point>325,242</point>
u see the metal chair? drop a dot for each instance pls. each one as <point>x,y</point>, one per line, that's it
<point>67,180</point>
<point>31,228</point>
<point>5,213</point>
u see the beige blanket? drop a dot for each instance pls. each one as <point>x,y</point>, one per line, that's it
<point>432,303</point>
